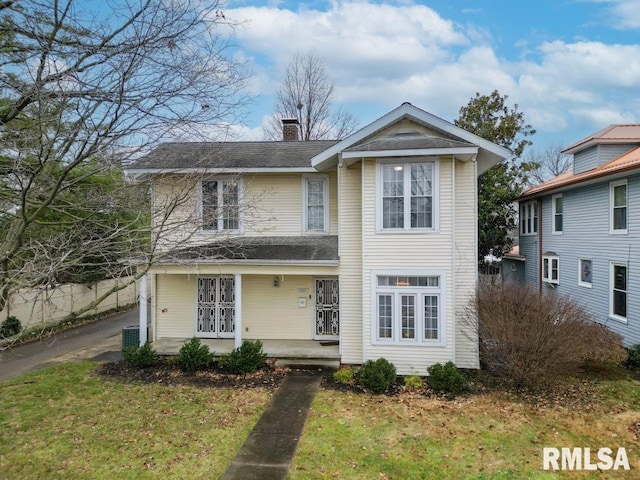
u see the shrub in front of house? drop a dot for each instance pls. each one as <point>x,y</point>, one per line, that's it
<point>343,376</point>
<point>529,339</point>
<point>633,359</point>
<point>446,378</point>
<point>140,356</point>
<point>247,358</point>
<point>194,356</point>
<point>414,382</point>
<point>9,327</point>
<point>377,375</point>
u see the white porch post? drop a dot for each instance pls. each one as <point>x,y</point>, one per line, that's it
<point>238,309</point>
<point>143,309</point>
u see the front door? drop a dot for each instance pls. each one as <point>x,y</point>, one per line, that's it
<point>216,307</point>
<point>327,308</point>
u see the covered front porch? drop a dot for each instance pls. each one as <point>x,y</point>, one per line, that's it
<point>309,352</point>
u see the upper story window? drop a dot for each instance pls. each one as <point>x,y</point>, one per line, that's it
<point>315,209</point>
<point>529,218</point>
<point>220,209</point>
<point>558,210</point>
<point>618,295</point>
<point>407,196</point>
<point>618,194</point>
<point>551,269</point>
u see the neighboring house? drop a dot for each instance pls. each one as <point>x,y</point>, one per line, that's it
<point>580,231</point>
<point>369,242</point>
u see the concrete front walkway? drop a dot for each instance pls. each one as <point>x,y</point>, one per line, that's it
<point>268,451</point>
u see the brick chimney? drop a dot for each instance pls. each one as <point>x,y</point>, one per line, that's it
<point>290,128</point>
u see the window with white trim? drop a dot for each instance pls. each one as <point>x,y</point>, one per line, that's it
<point>585,272</point>
<point>618,295</point>
<point>618,195</point>
<point>408,309</point>
<point>529,218</point>
<point>558,210</point>
<point>551,269</point>
<point>220,207</point>
<point>315,209</point>
<point>407,196</point>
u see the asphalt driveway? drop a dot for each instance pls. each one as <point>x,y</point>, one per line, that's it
<point>100,339</point>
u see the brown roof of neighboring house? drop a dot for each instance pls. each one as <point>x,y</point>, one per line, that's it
<point>626,162</point>
<point>610,134</point>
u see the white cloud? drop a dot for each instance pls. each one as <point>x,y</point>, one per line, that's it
<point>626,14</point>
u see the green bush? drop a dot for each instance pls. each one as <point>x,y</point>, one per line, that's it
<point>140,356</point>
<point>413,381</point>
<point>446,378</point>
<point>10,326</point>
<point>378,375</point>
<point>344,376</point>
<point>633,360</point>
<point>247,358</point>
<point>193,356</point>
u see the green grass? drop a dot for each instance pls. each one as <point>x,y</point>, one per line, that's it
<point>490,436</point>
<point>66,422</point>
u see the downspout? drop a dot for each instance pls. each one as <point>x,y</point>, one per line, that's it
<point>453,257</point>
<point>539,246</point>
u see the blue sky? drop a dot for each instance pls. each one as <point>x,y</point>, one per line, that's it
<point>572,66</point>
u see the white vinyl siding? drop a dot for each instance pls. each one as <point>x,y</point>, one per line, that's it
<point>315,208</point>
<point>618,199</point>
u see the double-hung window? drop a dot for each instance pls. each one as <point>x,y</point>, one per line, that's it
<point>558,210</point>
<point>529,218</point>
<point>551,269</point>
<point>315,208</point>
<point>618,195</point>
<point>220,208</point>
<point>618,294</point>
<point>408,309</point>
<point>407,196</point>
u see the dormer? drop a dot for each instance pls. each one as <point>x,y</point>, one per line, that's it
<point>603,146</point>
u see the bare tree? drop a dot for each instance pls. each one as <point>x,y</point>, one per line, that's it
<point>550,162</point>
<point>85,87</point>
<point>307,94</point>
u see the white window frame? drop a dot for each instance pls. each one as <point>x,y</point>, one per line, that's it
<point>580,281</point>
<point>406,163</point>
<point>612,207</point>
<point>555,213</point>
<point>221,179</point>
<point>612,315</point>
<point>547,264</point>
<point>529,218</point>
<point>305,203</point>
<point>419,294</point>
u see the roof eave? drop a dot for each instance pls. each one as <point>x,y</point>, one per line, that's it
<point>464,153</point>
<point>218,170</point>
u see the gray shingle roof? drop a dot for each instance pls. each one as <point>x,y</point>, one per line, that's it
<point>285,248</point>
<point>408,141</point>
<point>231,155</point>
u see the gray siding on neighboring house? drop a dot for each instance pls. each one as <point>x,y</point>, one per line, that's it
<point>597,155</point>
<point>529,250</point>
<point>586,221</point>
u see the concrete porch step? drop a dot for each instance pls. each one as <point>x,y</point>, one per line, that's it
<point>323,363</point>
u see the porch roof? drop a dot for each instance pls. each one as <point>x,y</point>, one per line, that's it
<point>284,249</point>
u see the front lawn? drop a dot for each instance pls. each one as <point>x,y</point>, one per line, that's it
<point>66,422</point>
<point>491,436</point>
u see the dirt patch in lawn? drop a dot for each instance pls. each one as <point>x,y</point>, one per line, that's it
<point>167,372</point>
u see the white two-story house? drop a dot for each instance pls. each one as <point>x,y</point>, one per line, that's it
<point>368,243</point>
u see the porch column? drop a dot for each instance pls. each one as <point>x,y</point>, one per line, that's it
<point>238,309</point>
<point>143,309</point>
